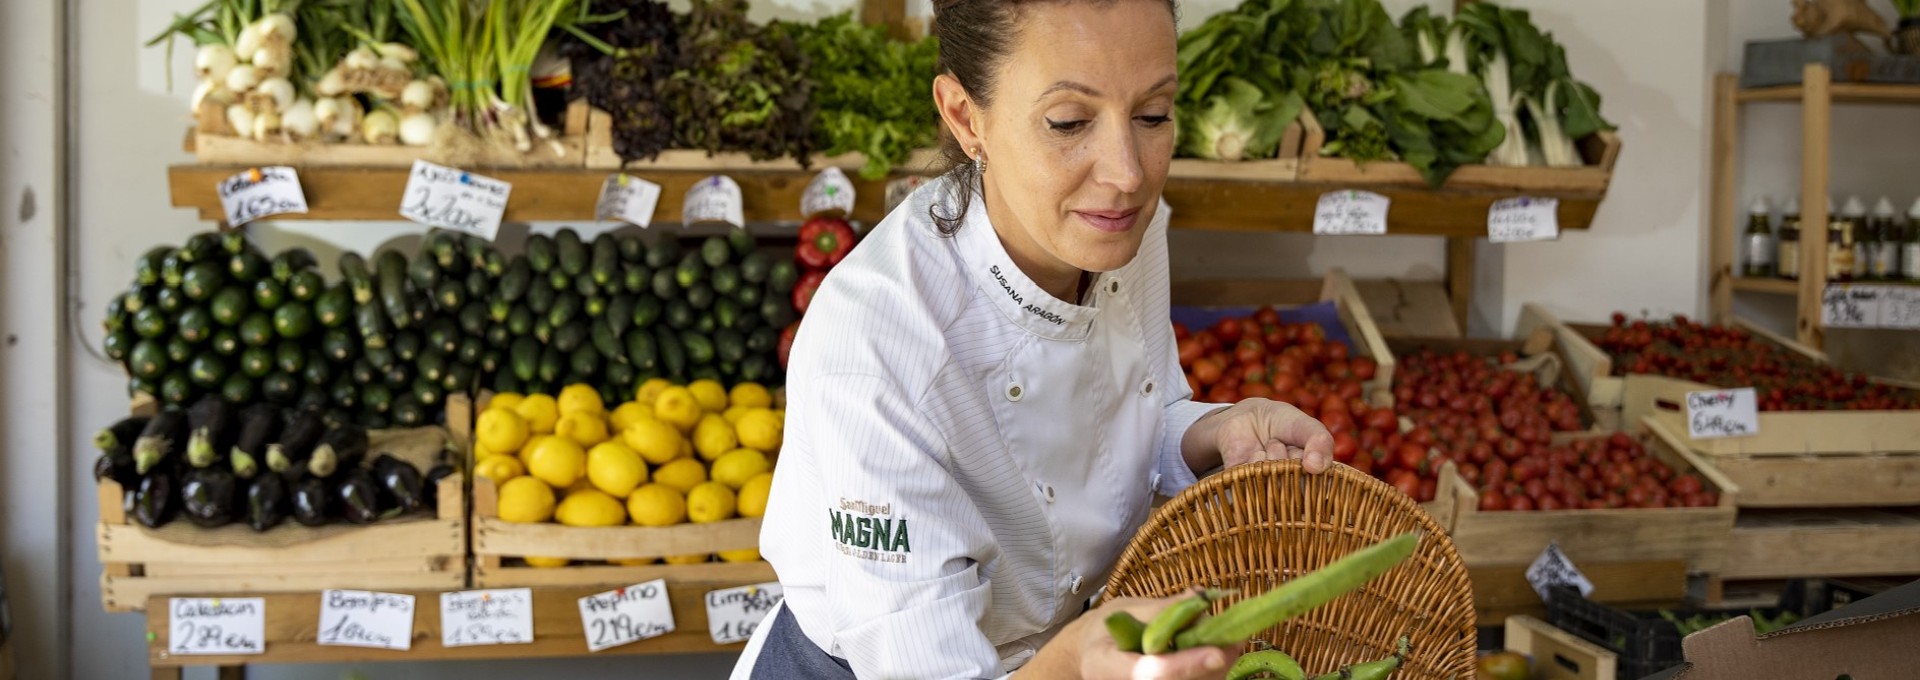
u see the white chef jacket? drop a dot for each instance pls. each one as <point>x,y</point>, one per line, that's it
<point>966,456</point>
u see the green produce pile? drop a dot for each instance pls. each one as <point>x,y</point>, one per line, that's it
<point>871,92</point>
<point>1762,624</point>
<point>622,67</point>
<point>739,86</point>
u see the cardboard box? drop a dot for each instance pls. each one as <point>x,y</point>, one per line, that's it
<point>1872,638</point>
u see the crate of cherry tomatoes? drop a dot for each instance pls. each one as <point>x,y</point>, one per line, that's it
<point>1300,342</point>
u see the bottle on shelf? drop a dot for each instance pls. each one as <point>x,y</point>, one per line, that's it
<point>1910,259</point>
<point>1854,224</point>
<point>1884,240</point>
<point>1787,255</point>
<point>1760,244</point>
<point>1840,243</point>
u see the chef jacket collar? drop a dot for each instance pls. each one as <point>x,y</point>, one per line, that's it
<point>1008,289</point>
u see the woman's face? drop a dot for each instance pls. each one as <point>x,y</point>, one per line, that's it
<point>1080,133</point>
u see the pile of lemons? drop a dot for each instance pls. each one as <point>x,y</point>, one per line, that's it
<point>696,453</point>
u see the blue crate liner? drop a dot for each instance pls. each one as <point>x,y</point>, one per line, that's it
<point>1325,314</point>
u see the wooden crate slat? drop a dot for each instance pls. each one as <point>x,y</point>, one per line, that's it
<point>340,562</point>
<point>615,575</point>
<point>1560,655</point>
<point>1823,543</point>
<point>130,594</point>
<point>421,538</point>
<point>496,537</point>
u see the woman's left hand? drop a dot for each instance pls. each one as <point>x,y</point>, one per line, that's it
<point>1256,430</point>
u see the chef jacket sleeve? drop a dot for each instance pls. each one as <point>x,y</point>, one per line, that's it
<point>1181,410</point>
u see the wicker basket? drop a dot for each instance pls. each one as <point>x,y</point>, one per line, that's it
<point>1255,526</point>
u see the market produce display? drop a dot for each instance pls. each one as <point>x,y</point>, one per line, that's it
<point>871,92</point>
<point>1724,356</point>
<point>1258,356</point>
<point>739,86</point>
<point>623,67</point>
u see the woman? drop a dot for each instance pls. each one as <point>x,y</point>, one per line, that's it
<point>984,395</point>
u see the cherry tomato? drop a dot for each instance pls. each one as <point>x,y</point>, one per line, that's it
<point>1222,394</point>
<point>1250,351</point>
<point>1266,315</point>
<point>1520,503</point>
<point>1383,419</point>
<point>1207,372</point>
<point>1254,390</point>
<point>1345,447</point>
<point>1228,330</point>
<point>1190,351</point>
<point>1491,500</point>
<point>1407,482</point>
<point>1411,456</point>
<point>1364,368</point>
<point>1428,488</point>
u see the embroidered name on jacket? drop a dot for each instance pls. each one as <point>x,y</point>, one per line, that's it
<point>870,538</point>
<point>1022,301</point>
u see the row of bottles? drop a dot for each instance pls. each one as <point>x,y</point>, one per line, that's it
<point>1860,246</point>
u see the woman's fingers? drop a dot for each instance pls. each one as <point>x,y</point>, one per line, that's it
<point>1204,663</point>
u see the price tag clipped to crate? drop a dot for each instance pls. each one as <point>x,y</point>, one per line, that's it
<point>830,193</point>
<point>486,617</point>
<point>258,192</point>
<point>714,199</point>
<point>733,613</point>
<point>625,615</point>
<point>439,196</point>
<point>1515,220</point>
<point>1349,212</point>
<point>217,625</point>
<point>628,199</point>
<point>1717,414</point>
<point>1552,568</point>
<point>358,618</point>
<point>1900,306</point>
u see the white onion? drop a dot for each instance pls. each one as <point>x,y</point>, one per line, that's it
<point>277,28</point>
<point>380,127</point>
<point>300,120</point>
<point>333,84</point>
<point>212,62</point>
<point>393,64</point>
<point>249,40</point>
<point>241,79</point>
<point>210,90</point>
<point>241,119</point>
<point>348,123</point>
<point>418,96</point>
<point>266,125</point>
<point>361,59</point>
<point>281,90</point>
<point>417,129</point>
<point>398,51</point>
<point>326,111</point>
<point>273,60</point>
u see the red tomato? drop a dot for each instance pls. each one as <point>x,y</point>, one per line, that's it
<point>1285,383</point>
<point>1250,351</point>
<point>1207,372</point>
<point>1345,447</point>
<point>1332,403</point>
<point>1363,461</point>
<point>1407,482</point>
<point>1190,351</point>
<point>1335,351</point>
<point>1364,368</point>
<point>1180,332</point>
<point>1469,472</point>
<point>1480,452</point>
<point>1371,438</point>
<point>1550,502</point>
<point>1520,503</point>
<point>1411,456</point>
<point>1383,419</point>
<point>1428,487</point>
<point>1492,500</point>
<point>1266,316</point>
<point>1275,339</point>
<point>1338,370</point>
<point>1222,394</point>
<point>1208,341</point>
<point>1349,389</point>
<point>1228,330</point>
<point>1253,374</point>
<point>1258,390</point>
<point>1289,365</point>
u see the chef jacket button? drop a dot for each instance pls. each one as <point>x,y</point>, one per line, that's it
<point>1047,490</point>
<point>1113,286</point>
<point>1155,482</point>
<point>1014,392</point>
<point>1146,387</point>
<point>1073,584</point>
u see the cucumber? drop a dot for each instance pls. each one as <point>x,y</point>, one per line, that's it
<point>334,308</point>
<point>641,352</point>
<point>524,358</point>
<point>146,270</point>
<point>699,347</point>
<point>238,389</point>
<point>705,373</point>
<point>256,330</point>
<point>450,296</point>
<point>478,284</point>
<point>700,295</point>
<point>560,280</point>
<point>664,286</point>
<point>726,313</point>
<point>491,262</point>
<point>305,286</point>
<point>392,277</point>
<point>604,265</point>
<point>201,280</point>
<point>256,362</point>
<point>195,325</point>
<point>248,266</point>
<point>664,253</point>
<point>289,358</point>
<point>778,311</point>
<point>514,284</point>
<point>621,375</point>
<point>337,345</point>
<point>444,334</point>
<point>564,309</point>
<point>715,252</point>
<point>725,280</point>
<point>359,279</point>
<point>497,336</point>
<point>552,365</point>
<point>749,295</point>
<point>292,261</point>
<point>673,358</point>
<point>594,307</point>
<point>571,251</point>
<point>473,318</point>
<point>424,274</point>
<point>541,253</point>
<point>586,361</point>
<point>604,340</point>
<point>619,314</point>
<point>782,277</point>
<point>637,279</point>
<point>148,359</point>
<point>373,325</point>
<point>150,322</point>
<point>585,285</point>
<point>520,321</point>
<point>170,300</point>
<point>571,336</point>
<point>540,297</point>
<point>754,267</point>
<point>632,250</point>
<point>729,346</point>
<point>679,315</point>
<point>692,270</point>
<point>756,368</point>
<point>506,381</point>
<point>705,323</point>
<point>762,340</point>
<point>470,349</point>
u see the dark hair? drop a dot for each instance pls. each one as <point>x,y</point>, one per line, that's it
<point>975,38</point>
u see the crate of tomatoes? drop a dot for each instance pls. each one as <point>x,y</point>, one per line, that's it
<point>1294,341</point>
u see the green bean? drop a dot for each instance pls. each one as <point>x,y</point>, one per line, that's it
<point>1297,596</point>
<point>1270,663</point>
<point>1125,630</point>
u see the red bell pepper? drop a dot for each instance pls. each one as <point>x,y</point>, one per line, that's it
<point>824,242</point>
<point>803,290</point>
<point>786,342</point>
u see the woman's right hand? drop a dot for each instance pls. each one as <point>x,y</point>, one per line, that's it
<point>1095,656</point>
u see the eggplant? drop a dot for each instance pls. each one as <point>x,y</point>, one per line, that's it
<point>358,497</point>
<point>343,448</point>
<point>259,425</point>
<point>430,487</point>
<point>400,483</point>
<point>312,502</point>
<point>288,456</point>
<point>210,422</point>
<point>208,496</point>
<point>163,435</point>
<point>155,502</point>
<point>266,502</point>
<point>120,435</point>
<point>117,465</point>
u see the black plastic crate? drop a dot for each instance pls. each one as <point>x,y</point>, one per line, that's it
<point>1646,642</point>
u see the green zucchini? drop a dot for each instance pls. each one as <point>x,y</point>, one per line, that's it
<point>201,280</point>
<point>305,286</point>
<point>293,321</point>
<point>148,359</point>
<point>372,322</point>
<point>268,294</point>
<point>391,268</point>
<point>256,330</point>
<point>256,362</point>
<point>337,345</point>
<point>603,338</point>
<point>146,270</point>
<point>663,254</point>
<point>514,284</point>
<point>229,305</point>
<point>524,358</point>
<point>699,347</point>
<point>248,266</point>
<point>572,252</point>
<point>335,307</point>
<point>292,261</point>
<point>540,253</point>
<point>605,263</point>
<point>632,250</point>
<point>424,274</point>
<point>359,279</point>
<point>194,325</point>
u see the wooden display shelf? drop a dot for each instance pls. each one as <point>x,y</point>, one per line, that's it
<point>1600,151</point>
<point>1774,286</point>
<point>497,544</point>
<point>1841,93</point>
<point>1802,543</point>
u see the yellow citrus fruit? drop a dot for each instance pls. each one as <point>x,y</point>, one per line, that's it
<point>615,469</point>
<point>709,502</point>
<point>750,395</point>
<point>547,562</point>
<point>650,390</point>
<point>580,397</point>
<point>581,484</point>
<point>558,461</point>
<point>657,505</point>
<point>711,395</point>
<point>639,562</point>
<point>500,430</point>
<point>742,555</point>
<point>481,452</point>
<point>505,401</point>
<point>585,429</point>
<point>629,413</point>
<point>677,407</point>
<point>681,475</point>
<point>525,499</point>
<point>752,501</point>
<point>540,411</point>
<point>655,441</point>
<point>735,467</point>
<point>733,413</point>
<point>713,437</point>
<point>590,508</point>
<point>688,559</point>
<point>761,430</point>
<point>686,449</point>
<point>499,468</point>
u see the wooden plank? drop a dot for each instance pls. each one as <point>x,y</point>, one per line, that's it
<point>339,563</point>
<point>1815,166</point>
<point>1506,586</point>
<point>128,594</point>
<point>1782,341</point>
<point>233,673</point>
<point>1771,286</point>
<point>416,538</point>
<point>1460,270</point>
<point>1557,654</point>
<point>1795,544</point>
<point>1720,223</point>
<point>1421,309</point>
<point>492,536</point>
<point>558,152</point>
<point>1782,433</point>
<point>1226,205</point>
<point>1367,339</point>
<point>1599,151</point>
<point>608,576</point>
<point>1845,93</point>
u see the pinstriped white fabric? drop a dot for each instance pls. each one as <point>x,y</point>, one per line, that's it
<point>966,456</point>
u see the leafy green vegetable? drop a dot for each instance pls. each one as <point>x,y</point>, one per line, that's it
<point>740,87</point>
<point>621,67</point>
<point>1240,120</point>
<point>871,92</point>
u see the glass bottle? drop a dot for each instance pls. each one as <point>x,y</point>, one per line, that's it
<point>1787,257</point>
<point>1885,241</point>
<point>1853,224</point>
<point>1910,259</point>
<point>1760,245</point>
<point>1839,246</point>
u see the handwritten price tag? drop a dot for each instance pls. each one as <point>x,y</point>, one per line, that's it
<point>628,199</point>
<point>734,613</point>
<point>1350,212</point>
<point>1900,308</point>
<point>357,618</point>
<point>1515,220</point>
<point>898,190</point>
<point>830,193</point>
<point>714,199</point>
<point>486,617</point>
<point>1552,568</point>
<point>1715,414</point>
<point>258,192</point>
<point>626,615</point>
<point>234,625</point>
<point>439,196</point>
<point>1847,306</point>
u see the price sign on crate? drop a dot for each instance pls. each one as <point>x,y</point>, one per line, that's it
<point>714,199</point>
<point>1552,568</point>
<point>733,613</point>
<point>628,199</point>
<point>439,196</point>
<point>216,625</point>
<point>1716,414</point>
<point>1514,220</point>
<point>486,617</point>
<point>258,192</point>
<point>625,615</point>
<point>829,193</point>
<point>1342,213</point>
<point>357,618</point>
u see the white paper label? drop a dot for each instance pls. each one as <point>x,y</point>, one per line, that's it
<point>714,199</point>
<point>1900,308</point>
<point>1513,220</point>
<point>486,617</point>
<point>1552,568</point>
<point>1846,306</point>
<point>258,192</point>
<point>1350,212</point>
<point>898,190</point>
<point>1715,414</point>
<point>439,196</point>
<point>734,613</point>
<point>628,199</point>
<point>625,615</point>
<point>357,618</point>
<point>830,193</point>
<point>218,625</point>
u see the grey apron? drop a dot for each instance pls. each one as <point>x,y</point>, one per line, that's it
<point>787,654</point>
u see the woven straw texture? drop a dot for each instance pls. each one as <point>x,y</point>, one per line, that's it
<point>1254,527</point>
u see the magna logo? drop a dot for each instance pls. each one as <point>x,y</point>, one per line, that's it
<point>870,538</point>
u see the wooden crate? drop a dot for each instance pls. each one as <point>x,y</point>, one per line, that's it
<point>1558,654</point>
<point>1830,542</point>
<point>1799,458</point>
<point>218,146</point>
<point>1593,367</point>
<point>1334,287</point>
<point>1596,422</point>
<point>424,551</point>
<point>1600,151</point>
<point>1697,536</point>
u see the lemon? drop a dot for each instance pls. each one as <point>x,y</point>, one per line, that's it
<point>533,442</point>
<point>499,468</point>
<point>615,469</point>
<point>709,502</point>
<point>657,505</point>
<point>628,414</point>
<point>742,555</point>
<point>750,395</point>
<point>681,475</point>
<point>500,430</point>
<point>525,499</point>
<point>481,452</point>
<point>713,437</point>
<point>558,461</point>
<point>581,397</point>
<point>547,562</point>
<point>688,559</point>
<point>711,395</point>
<point>650,390</point>
<point>686,450</point>
<point>540,411</point>
<point>761,430</point>
<point>677,407</point>
<point>655,441</point>
<point>585,429</point>
<point>733,413</point>
<point>639,562</point>
<point>752,500</point>
<point>505,401</point>
<point>590,508</point>
<point>581,484</point>
<point>735,467</point>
